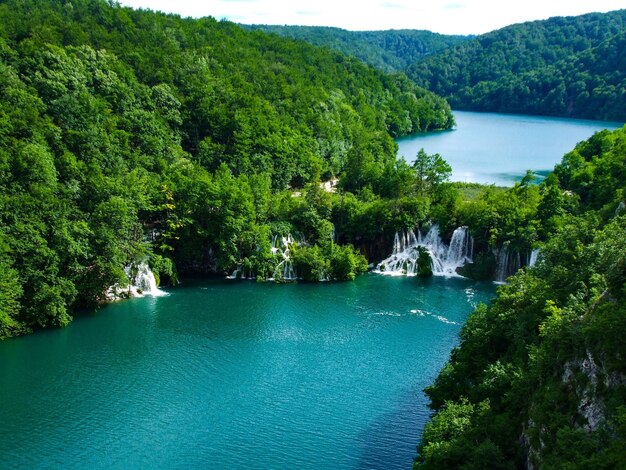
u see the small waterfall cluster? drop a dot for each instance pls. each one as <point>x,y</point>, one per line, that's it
<point>509,261</point>
<point>242,272</point>
<point>281,249</point>
<point>141,282</point>
<point>144,282</point>
<point>445,259</point>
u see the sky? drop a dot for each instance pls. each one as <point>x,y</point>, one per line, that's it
<point>441,16</point>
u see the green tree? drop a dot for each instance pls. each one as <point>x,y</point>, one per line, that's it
<point>431,172</point>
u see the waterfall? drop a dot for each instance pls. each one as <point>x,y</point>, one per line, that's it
<point>532,259</point>
<point>502,265</point>
<point>281,249</point>
<point>139,285</point>
<point>445,259</point>
<point>239,273</point>
<point>508,263</point>
<point>144,282</point>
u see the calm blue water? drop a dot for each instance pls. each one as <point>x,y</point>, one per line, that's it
<point>227,374</point>
<point>499,148</point>
<point>224,374</point>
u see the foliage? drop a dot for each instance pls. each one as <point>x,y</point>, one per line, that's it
<point>538,375</point>
<point>424,263</point>
<point>333,262</point>
<point>128,135</point>
<point>346,263</point>
<point>563,66</point>
<point>431,171</point>
<point>311,264</point>
<point>391,51</point>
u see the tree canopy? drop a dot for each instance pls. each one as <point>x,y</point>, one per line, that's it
<point>128,135</point>
<point>563,66</point>
<point>391,51</point>
<point>538,376</point>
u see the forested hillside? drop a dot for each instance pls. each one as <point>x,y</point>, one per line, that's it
<point>391,50</point>
<point>128,136</point>
<point>564,66</point>
<point>539,377</point>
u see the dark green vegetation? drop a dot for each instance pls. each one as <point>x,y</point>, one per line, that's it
<point>127,135</point>
<point>539,377</point>
<point>391,51</point>
<point>564,66</point>
<point>573,67</point>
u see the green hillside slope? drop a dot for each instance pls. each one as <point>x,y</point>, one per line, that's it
<point>539,377</point>
<point>128,136</point>
<point>569,66</point>
<point>391,50</point>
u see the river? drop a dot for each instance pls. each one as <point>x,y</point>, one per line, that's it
<point>497,149</point>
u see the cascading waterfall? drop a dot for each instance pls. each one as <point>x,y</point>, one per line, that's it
<point>281,248</point>
<point>144,282</point>
<point>508,264</point>
<point>445,259</point>
<point>140,283</point>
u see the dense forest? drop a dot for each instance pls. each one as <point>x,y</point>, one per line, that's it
<point>538,380</point>
<point>563,66</point>
<point>129,136</point>
<point>391,50</point>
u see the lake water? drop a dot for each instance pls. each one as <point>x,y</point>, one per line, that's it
<point>231,374</point>
<point>499,148</point>
<point>227,374</point>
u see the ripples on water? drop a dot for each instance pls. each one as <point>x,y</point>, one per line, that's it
<point>230,374</point>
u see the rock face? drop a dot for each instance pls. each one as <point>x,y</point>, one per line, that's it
<point>586,377</point>
<point>590,406</point>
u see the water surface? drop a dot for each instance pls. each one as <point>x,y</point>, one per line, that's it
<point>228,374</point>
<point>499,148</point>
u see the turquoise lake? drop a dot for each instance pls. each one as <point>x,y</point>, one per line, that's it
<point>231,374</point>
<point>497,149</point>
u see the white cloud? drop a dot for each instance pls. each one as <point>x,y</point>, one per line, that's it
<point>444,16</point>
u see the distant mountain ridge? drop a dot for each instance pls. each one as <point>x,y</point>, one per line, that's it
<point>391,50</point>
<point>563,66</point>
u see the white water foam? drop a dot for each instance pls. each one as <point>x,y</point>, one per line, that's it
<point>425,313</point>
<point>281,249</point>
<point>140,284</point>
<point>445,259</point>
<point>143,283</point>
